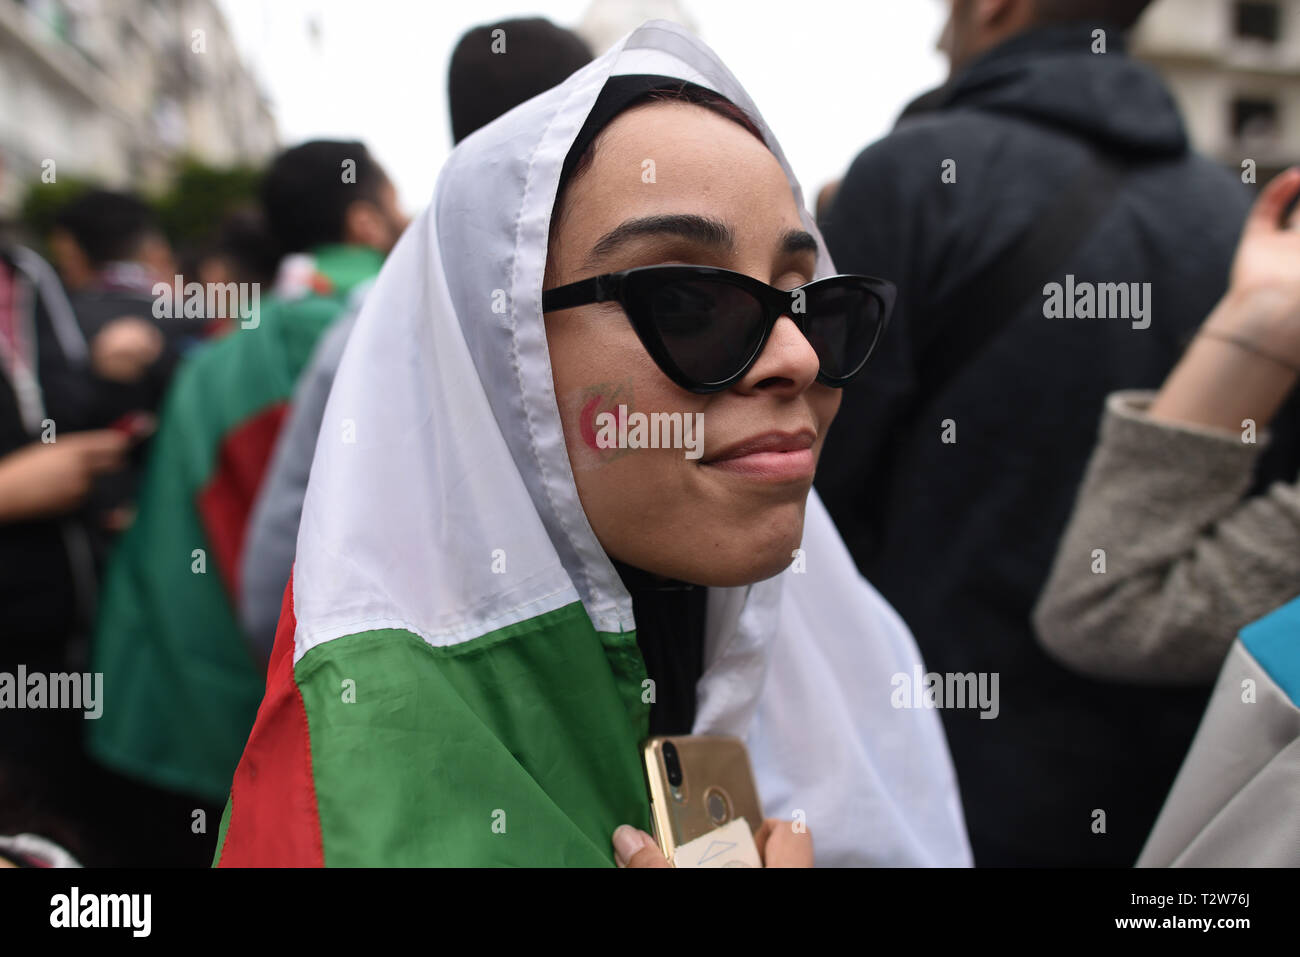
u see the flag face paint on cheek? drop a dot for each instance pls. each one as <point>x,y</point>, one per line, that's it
<point>609,426</point>
<point>597,410</point>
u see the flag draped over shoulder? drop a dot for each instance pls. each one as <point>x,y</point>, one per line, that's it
<point>456,679</point>
<point>1236,800</point>
<point>181,686</point>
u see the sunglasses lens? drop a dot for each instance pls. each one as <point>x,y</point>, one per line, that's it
<point>709,329</point>
<point>844,320</point>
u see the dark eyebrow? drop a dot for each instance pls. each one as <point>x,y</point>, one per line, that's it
<point>697,229</point>
<point>795,241</point>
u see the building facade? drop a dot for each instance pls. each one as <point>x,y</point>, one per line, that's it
<point>1234,68</point>
<point>115,90</point>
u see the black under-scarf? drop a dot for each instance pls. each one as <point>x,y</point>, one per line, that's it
<point>670,618</point>
<point>615,96</point>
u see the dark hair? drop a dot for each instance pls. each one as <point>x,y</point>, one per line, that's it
<point>482,84</point>
<point>244,240</point>
<point>1122,13</point>
<point>108,226</point>
<point>306,197</point>
<point>687,93</point>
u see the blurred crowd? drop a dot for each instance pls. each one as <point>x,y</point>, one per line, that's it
<point>1039,498</point>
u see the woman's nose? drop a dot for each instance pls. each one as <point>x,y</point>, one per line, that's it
<point>788,361</point>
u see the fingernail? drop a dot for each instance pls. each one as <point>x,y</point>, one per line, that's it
<point>627,841</point>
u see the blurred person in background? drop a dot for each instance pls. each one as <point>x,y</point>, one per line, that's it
<point>952,467</point>
<point>101,231</point>
<point>1188,565</point>
<point>181,680</point>
<point>491,73</point>
<point>481,86</point>
<point>243,250</point>
<point>115,242</point>
<point>50,458</point>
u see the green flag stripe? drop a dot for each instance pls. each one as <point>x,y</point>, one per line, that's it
<point>519,747</point>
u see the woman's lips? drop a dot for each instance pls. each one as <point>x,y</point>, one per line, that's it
<point>771,466</point>
<point>773,457</point>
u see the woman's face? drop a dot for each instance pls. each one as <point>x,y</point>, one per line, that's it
<point>711,514</point>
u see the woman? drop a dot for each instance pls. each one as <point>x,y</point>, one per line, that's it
<point>1163,561</point>
<point>1187,565</point>
<point>491,606</point>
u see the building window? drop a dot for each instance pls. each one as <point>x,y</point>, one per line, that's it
<point>1254,118</point>
<point>1258,21</point>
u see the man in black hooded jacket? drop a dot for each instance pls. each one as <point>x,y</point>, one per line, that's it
<point>952,466</point>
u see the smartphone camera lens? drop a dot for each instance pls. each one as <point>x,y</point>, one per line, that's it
<point>672,764</point>
<point>718,805</point>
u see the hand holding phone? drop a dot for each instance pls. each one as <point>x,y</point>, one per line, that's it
<point>780,844</point>
<point>703,802</point>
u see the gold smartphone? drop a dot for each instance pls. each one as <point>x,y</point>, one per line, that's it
<point>697,783</point>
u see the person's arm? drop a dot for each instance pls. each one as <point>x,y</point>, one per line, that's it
<point>1162,562</point>
<point>1186,562</point>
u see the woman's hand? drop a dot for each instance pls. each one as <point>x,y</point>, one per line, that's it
<point>779,845</point>
<point>1263,298</point>
<point>1243,363</point>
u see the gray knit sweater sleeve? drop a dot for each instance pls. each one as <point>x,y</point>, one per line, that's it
<point>1186,561</point>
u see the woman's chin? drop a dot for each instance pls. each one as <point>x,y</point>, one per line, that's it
<point>741,562</point>
<point>747,572</point>
<point>717,549</point>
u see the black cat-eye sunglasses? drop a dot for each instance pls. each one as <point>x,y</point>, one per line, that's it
<point>705,327</point>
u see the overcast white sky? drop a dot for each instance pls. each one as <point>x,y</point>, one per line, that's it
<point>829,76</point>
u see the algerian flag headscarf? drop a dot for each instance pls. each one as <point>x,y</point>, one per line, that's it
<point>457,679</point>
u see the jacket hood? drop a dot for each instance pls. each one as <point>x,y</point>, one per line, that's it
<point>1051,76</point>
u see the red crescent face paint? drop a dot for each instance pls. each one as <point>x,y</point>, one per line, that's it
<point>610,397</point>
<point>587,421</point>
